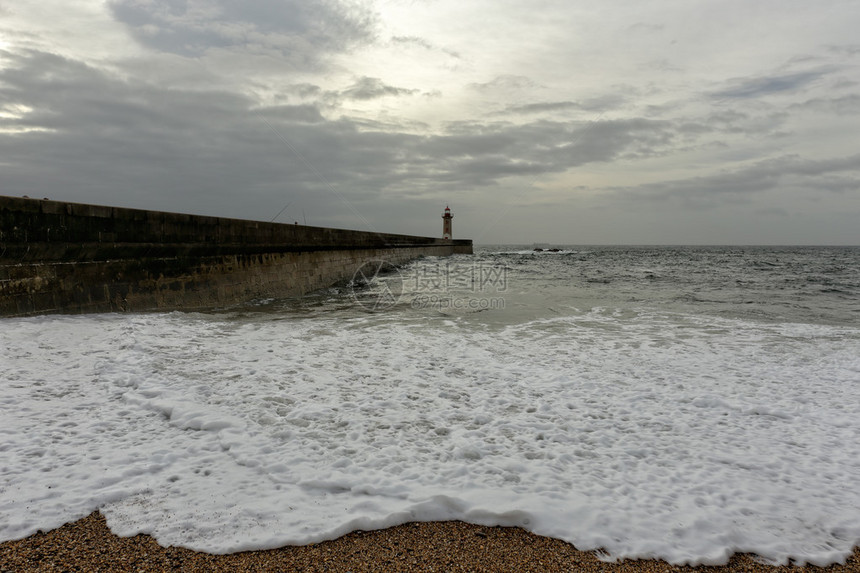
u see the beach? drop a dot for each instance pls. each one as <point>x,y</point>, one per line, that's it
<point>88,545</point>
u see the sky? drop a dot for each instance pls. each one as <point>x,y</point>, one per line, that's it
<point>563,122</point>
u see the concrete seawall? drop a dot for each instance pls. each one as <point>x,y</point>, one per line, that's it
<point>74,258</point>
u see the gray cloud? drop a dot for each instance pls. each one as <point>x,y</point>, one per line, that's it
<point>194,149</point>
<point>300,31</point>
<point>734,122</point>
<point>542,107</point>
<point>371,88</point>
<point>753,87</point>
<point>849,49</point>
<point>423,43</point>
<point>598,104</point>
<point>646,28</point>
<point>836,175</point>
<point>303,91</point>
<point>504,84</point>
<point>293,113</point>
<point>845,105</point>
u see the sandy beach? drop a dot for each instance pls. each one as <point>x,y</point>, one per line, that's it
<point>88,545</point>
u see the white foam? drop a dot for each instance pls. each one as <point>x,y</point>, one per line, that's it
<point>644,434</point>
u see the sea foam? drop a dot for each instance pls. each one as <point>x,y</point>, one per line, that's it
<point>644,434</point>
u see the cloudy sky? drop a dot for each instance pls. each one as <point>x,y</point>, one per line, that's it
<point>568,122</point>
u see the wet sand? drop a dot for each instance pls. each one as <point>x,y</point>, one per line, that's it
<point>88,545</point>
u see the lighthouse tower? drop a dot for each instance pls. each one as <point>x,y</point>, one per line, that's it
<point>446,223</point>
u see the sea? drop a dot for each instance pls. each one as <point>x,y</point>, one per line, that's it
<point>683,403</point>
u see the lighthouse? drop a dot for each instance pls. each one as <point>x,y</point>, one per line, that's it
<point>446,223</point>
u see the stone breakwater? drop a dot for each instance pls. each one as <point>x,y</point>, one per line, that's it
<point>58,257</point>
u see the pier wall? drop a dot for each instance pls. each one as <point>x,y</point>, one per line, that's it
<point>58,257</point>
